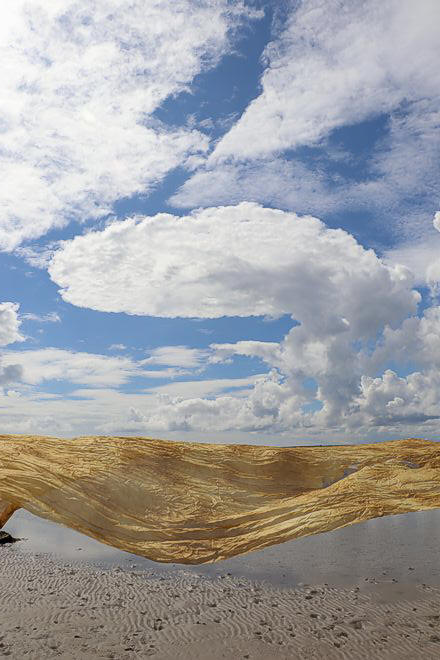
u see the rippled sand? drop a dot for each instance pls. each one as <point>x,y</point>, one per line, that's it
<point>56,609</point>
<point>196,503</point>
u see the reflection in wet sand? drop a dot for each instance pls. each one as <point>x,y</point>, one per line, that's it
<point>402,547</point>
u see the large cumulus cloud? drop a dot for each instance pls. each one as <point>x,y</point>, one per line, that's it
<point>234,261</point>
<point>248,260</point>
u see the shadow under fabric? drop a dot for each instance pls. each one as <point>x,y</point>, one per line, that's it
<point>196,503</point>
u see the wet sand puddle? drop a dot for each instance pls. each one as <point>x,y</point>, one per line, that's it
<point>402,547</point>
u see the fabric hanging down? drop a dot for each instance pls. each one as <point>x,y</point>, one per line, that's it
<point>195,503</point>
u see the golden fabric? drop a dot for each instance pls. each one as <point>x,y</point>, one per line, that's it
<point>196,503</point>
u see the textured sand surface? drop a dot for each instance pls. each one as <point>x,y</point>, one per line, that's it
<point>52,609</point>
<point>195,503</point>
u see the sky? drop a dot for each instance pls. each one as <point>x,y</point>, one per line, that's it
<point>220,220</point>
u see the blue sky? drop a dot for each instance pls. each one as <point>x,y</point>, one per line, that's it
<point>220,220</point>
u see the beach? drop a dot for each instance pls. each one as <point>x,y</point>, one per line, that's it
<point>84,600</point>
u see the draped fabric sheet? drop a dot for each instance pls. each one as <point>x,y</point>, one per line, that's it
<point>195,503</point>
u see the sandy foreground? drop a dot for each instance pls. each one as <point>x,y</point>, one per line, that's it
<point>54,608</point>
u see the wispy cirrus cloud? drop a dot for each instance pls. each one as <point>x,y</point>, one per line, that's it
<point>50,317</point>
<point>71,367</point>
<point>176,356</point>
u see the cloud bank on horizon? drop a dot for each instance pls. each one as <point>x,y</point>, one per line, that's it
<point>187,253</point>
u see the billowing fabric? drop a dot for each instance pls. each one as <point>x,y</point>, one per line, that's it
<point>195,503</point>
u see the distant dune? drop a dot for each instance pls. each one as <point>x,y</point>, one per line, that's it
<point>195,503</point>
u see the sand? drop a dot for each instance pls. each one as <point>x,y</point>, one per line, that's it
<point>53,608</point>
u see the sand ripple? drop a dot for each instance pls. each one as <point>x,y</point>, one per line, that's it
<point>52,609</point>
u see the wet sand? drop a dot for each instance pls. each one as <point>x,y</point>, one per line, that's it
<point>403,547</point>
<point>52,608</point>
<point>367,591</point>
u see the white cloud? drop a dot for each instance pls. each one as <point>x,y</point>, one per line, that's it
<point>106,410</point>
<point>9,324</point>
<point>404,171</point>
<point>415,341</point>
<point>80,83</point>
<point>433,268</point>
<point>330,68</point>
<point>9,334</point>
<point>349,401</point>
<point>394,401</point>
<point>95,370</point>
<point>279,182</point>
<point>10,374</point>
<point>176,356</point>
<point>243,260</point>
<point>74,367</point>
<point>226,409</point>
<point>401,198</point>
<point>168,373</point>
<point>421,256</point>
<point>37,256</point>
<point>185,406</point>
<point>268,351</point>
<point>50,317</point>
<point>190,389</point>
<point>247,260</point>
